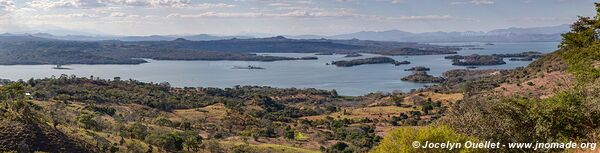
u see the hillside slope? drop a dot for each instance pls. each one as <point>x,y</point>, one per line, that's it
<point>553,100</point>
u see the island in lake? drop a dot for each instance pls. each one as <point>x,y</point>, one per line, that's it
<point>353,55</point>
<point>476,60</point>
<point>371,60</point>
<point>418,68</point>
<point>494,59</point>
<point>422,77</point>
<point>324,54</point>
<point>249,67</point>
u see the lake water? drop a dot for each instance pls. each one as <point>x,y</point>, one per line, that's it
<point>358,80</point>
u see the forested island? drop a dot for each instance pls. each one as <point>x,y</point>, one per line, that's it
<point>422,77</point>
<point>417,68</point>
<point>371,60</point>
<point>476,60</point>
<point>353,55</point>
<point>494,59</point>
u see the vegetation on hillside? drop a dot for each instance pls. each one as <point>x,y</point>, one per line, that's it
<point>88,114</point>
<point>567,115</point>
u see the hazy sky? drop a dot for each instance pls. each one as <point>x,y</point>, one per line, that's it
<point>323,17</point>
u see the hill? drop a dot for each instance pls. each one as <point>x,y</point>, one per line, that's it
<point>27,49</point>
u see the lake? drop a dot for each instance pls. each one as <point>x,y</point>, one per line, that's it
<point>358,80</point>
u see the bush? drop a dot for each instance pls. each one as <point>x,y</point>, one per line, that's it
<point>171,142</point>
<point>400,140</point>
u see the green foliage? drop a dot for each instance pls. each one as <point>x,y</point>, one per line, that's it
<point>340,147</point>
<point>581,47</point>
<point>137,130</point>
<point>243,148</point>
<point>530,84</point>
<point>560,118</point>
<point>163,97</point>
<point>162,121</point>
<point>13,91</point>
<point>87,121</point>
<point>288,133</point>
<point>401,139</point>
<point>299,136</point>
<point>213,146</point>
<point>103,110</point>
<point>193,142</point>
<point>170,142</point>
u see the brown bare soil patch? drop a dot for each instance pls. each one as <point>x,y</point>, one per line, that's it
<point>542,87</point>
<point>211,113</point>
<point>424,96</point>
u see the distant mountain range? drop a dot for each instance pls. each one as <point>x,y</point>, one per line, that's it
<point>500,35</point>
<point>200,37</point>
<point>536,34</point>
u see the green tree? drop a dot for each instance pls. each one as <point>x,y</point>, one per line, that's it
<point>87,121</point>
<point>171,142</point>
<point>193,143</point>
<point>289,133</point>
<point>401,140</point>
<point>138,130</point>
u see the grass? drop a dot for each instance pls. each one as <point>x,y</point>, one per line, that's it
<point>212,112</point>
<point>299,136</point>
<point>366,112</point>
<point>273,148</point>
<point>444,98</point>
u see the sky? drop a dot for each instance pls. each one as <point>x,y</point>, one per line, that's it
<point>285,17</point>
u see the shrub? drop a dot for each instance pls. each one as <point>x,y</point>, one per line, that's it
<point>401,140</point>
<point>171,142</point>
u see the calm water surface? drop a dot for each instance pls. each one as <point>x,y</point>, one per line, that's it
<point>358,80</point>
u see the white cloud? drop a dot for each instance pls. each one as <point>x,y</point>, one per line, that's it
<point>476,2</point>
<point>171,3</point>
<point>63,16</point>
<point>426,18</point>
<point>397,1</point>
<point>212,5</point>
<point>6,4</point>
<point>118,14</point>
<point>279,4</point>
<point>317,13</point>
<point>482,2</point>
<point>6,7</point>
<point>49,4</point>
<point>296,13</point>
<point>543,19</point>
